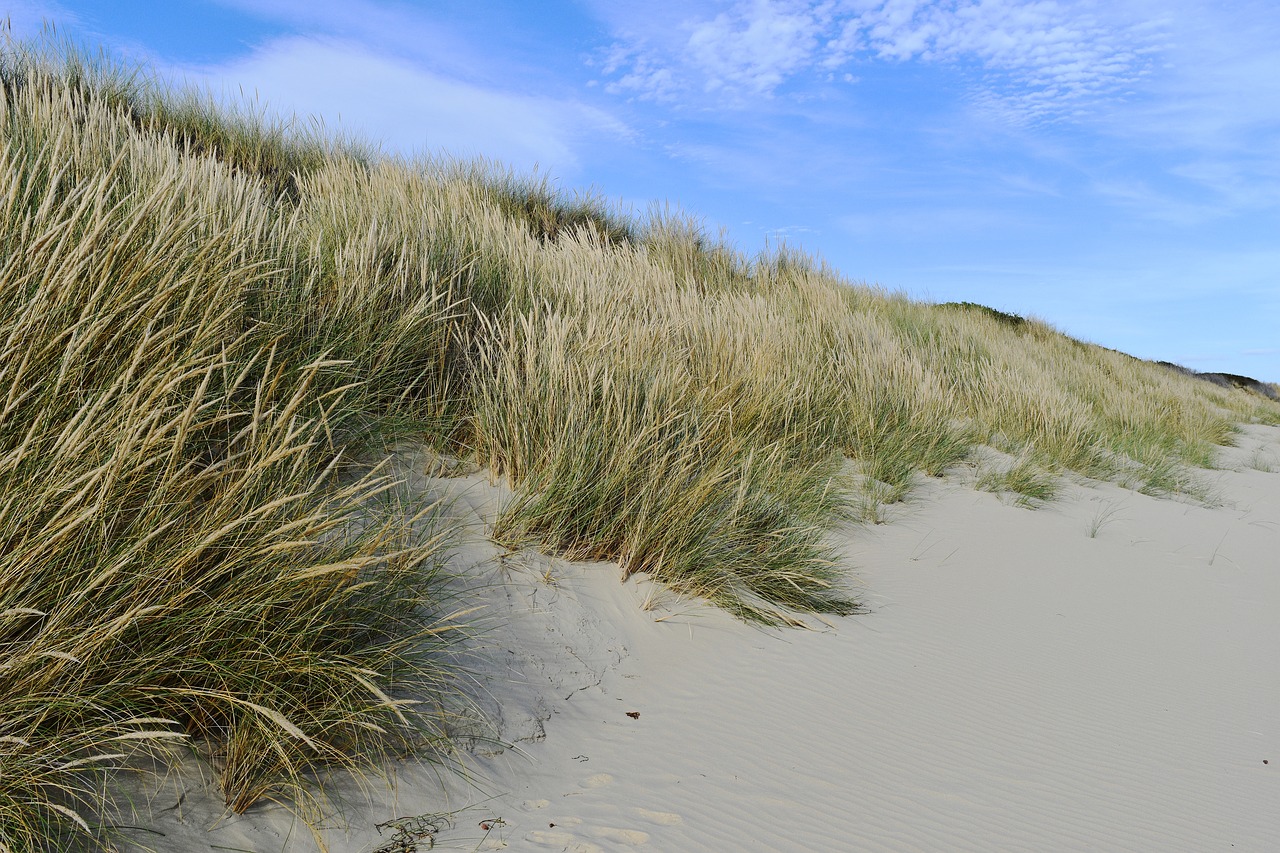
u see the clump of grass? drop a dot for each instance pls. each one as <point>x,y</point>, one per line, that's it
<point>394,266</point>
<point>1160,475</point>
<point>1108,512</point>
<point>179,560</point>
<point>245,136</point>
<point>1263,460</point>
<point>1025,477</point>
<point>678,243</point>
<point>623,450</point>
<point>870,498</point>
<point>1013,321</point>
<point>547,214</point>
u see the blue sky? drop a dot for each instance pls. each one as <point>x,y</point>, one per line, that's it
<point>1111,167</point>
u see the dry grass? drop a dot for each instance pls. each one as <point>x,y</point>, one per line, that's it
<point>656,443</point>
<point>179,561</point>
<point>1026,477</point>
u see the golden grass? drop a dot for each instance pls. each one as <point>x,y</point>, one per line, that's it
<point>650,443</point>
<point>175,565</point>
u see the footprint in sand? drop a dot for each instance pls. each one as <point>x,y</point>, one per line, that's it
<point>561,841</point>
<point>599,780</point>
<point>569,821</point>
<point>629,837</point>
<point>660,818</point>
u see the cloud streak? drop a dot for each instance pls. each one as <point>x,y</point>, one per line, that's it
<point>1040,60</point>
<point>409,108</point>
<point>27,16</point>
<point>1033,60</point>
<point>755,48</point>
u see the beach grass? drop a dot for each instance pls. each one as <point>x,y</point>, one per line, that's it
<point>182,563</point>
<point>207,314</point>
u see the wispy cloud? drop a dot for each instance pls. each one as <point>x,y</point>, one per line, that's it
<point>752,49</point>
<point>26,17</point>
<point>1214,108</point>
<point>1040,60</point>
<point>396,102</point>
<point>636,72</point>
<point>1143,199</point>
<point>1218,87</point>
<point>1034,60</point>
<point>768,164</point>
<point>396,29</point>
<point>747,48</point>
<point>755,48</point>
<point>389,72</point>
<point>783,232</point>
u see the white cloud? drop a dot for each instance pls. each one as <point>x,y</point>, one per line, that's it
<point>1146,201</point>
<point>784,231</point>
<point>1214,109</point>
<point>394,74</point>
<point>641,75</point>
<point>1235,184</point>
<point>748,48</point>
<point>756,47</point>
<point>388,73</point>
<point>1038,59</point>
<point>27,17</point>
<point>408,108</point>
<point>394,28</point>
<point>771,159</point>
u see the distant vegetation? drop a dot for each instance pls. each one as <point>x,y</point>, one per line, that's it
<point>206,315</point>
<point>1013,321</point>
<point>1230,380</point>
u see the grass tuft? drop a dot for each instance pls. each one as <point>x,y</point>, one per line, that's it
<point>1027,478</point>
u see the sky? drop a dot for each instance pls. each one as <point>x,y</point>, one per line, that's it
<point>1110,167</point>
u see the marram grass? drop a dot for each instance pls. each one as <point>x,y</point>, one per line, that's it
<point>175,566</point>
<point>205,313</point>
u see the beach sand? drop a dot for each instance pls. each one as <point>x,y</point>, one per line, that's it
<point>1099,673</point>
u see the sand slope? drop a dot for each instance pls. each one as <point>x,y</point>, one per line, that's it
<point>1102,673</point>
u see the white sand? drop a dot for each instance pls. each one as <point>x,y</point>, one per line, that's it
<point>1017,685</point>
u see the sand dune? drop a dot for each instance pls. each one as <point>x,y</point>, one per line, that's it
<point>1096,674</point>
